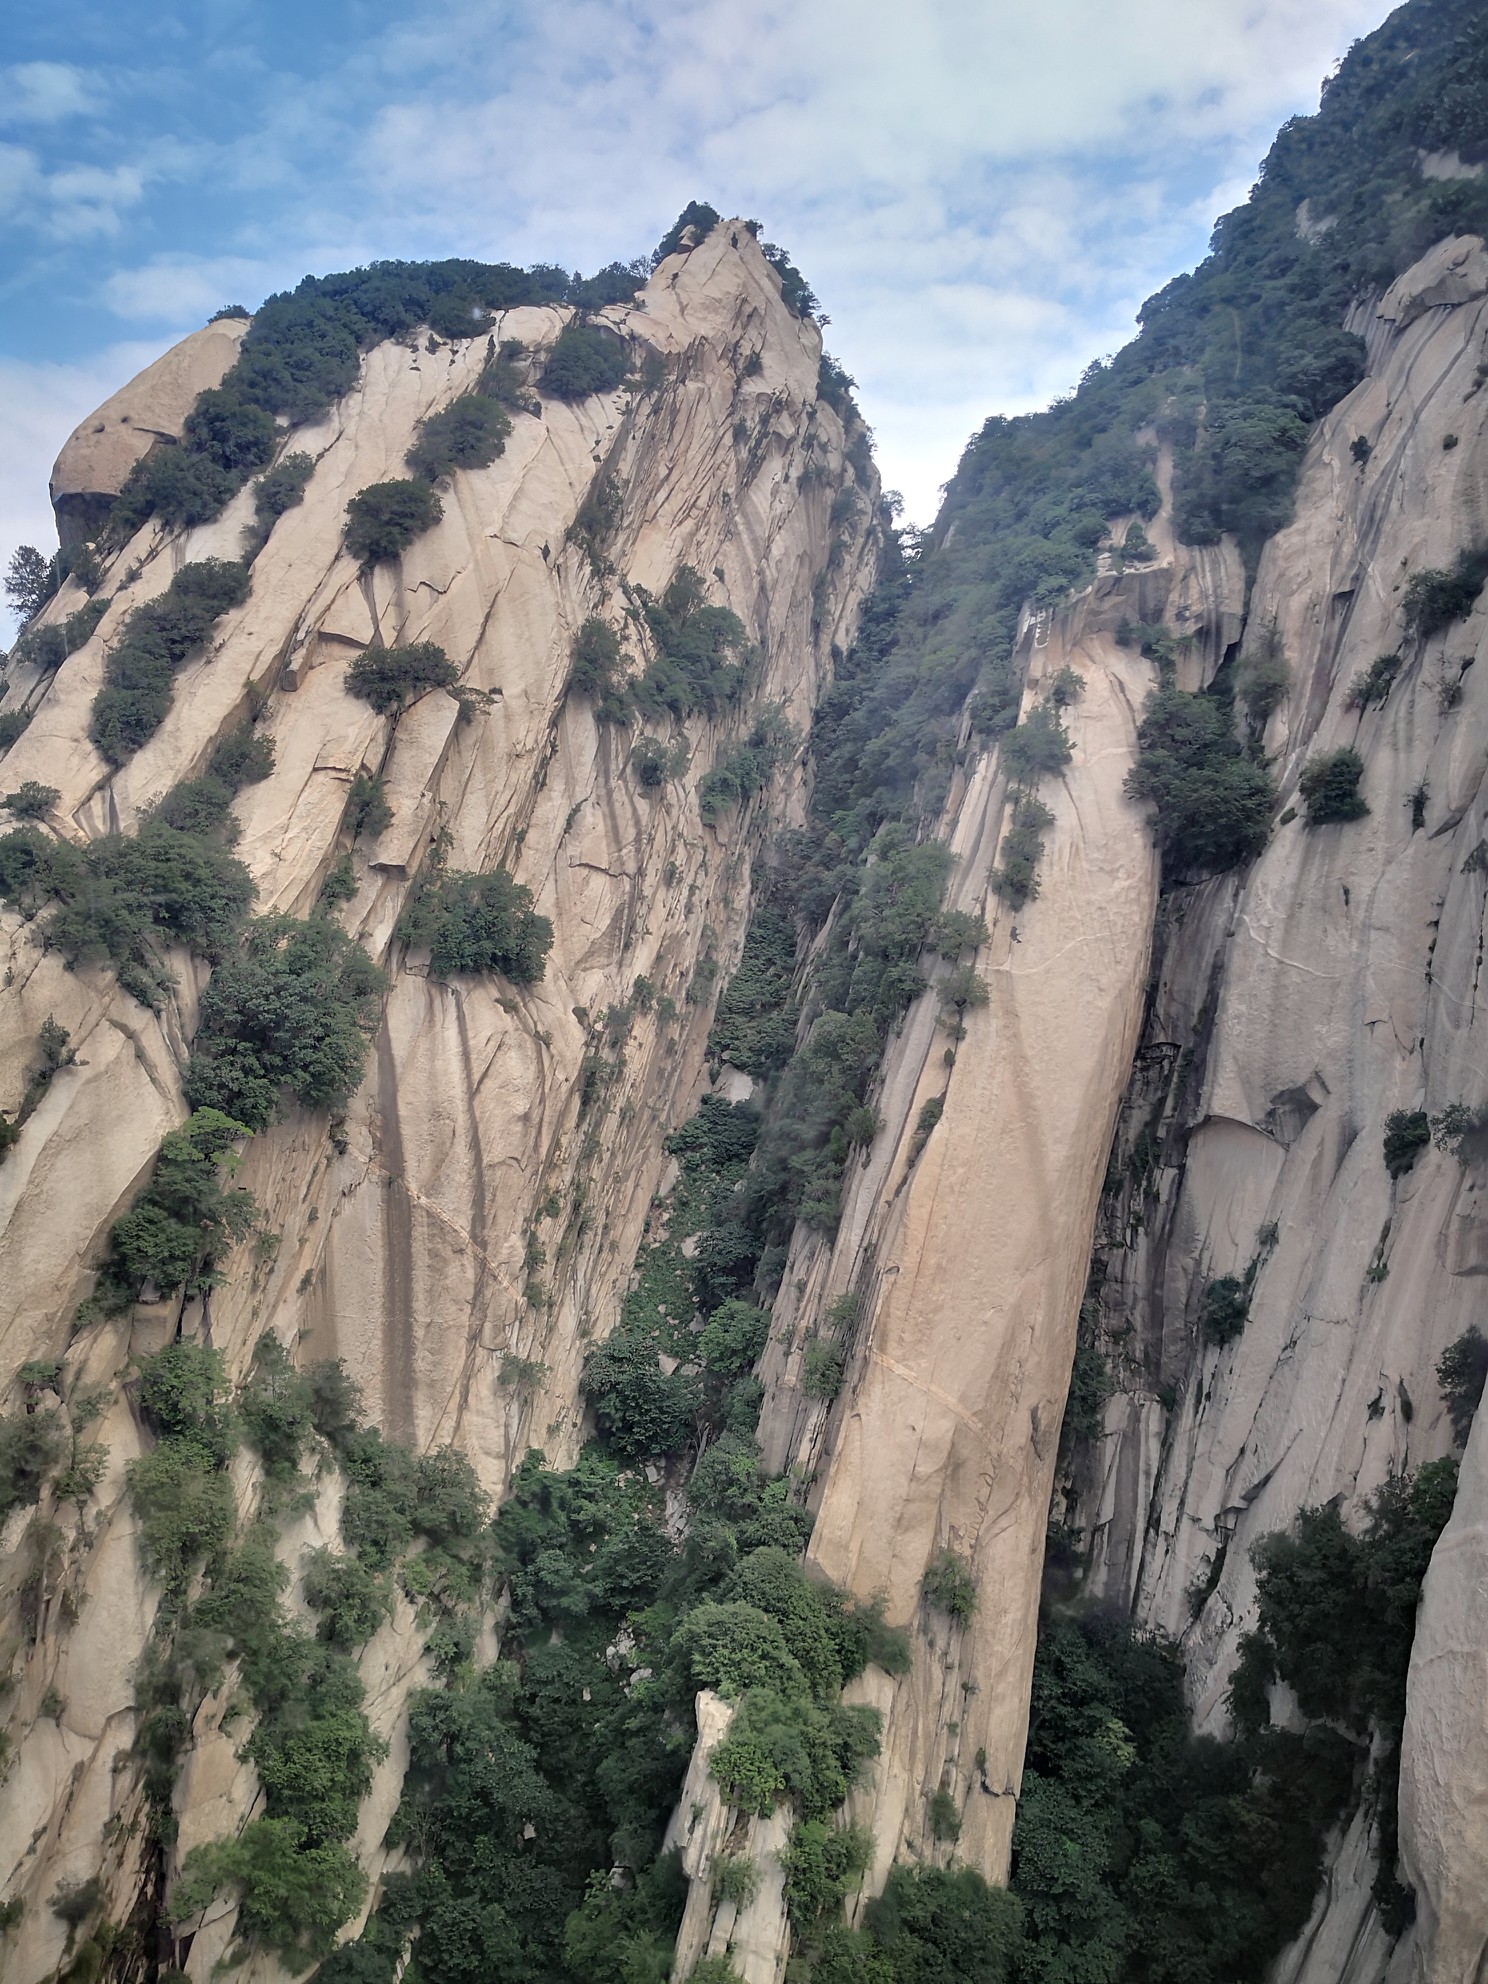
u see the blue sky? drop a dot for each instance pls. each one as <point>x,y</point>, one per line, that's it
<point>981,193</point>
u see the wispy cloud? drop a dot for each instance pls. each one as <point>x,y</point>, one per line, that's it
<point>980,191</point>
<point>46,92</point>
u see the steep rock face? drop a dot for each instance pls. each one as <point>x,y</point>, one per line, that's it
<point>149,411</point>
<point>403,1244</point>
<point>961,1255</point>
<point>1295,1008</point>
<point>1444,1761</point>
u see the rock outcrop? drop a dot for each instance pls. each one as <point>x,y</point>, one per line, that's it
<point>403,1242</point>
<point>1293,1010</point>
<point>147,413</point>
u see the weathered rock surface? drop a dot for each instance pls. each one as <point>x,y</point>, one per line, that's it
<point>1294,1009</point>
<point>403,1245</point>
<point>99,453</point>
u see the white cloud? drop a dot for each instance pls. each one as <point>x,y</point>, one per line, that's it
<point>45,92</point>
<point>980,191</point>
<point>184,289</point>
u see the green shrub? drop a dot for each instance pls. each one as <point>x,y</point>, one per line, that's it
<point>289,1015</point>
<point>931,1111</point>
<point>1434,599</point>
<point>941,1925</point>
<point>639,1410</point>
<point>755,1024</point>
<point>732,1648</point>
<point>1213,804</point>
<point>469,433</point>
<point>733,1338</point>
<point>1375,684</point>
<point>699,664</point>
<point>1262,679</point>
<point>822,1368</point>
<point>292,1898</point>
<point>823,1864</point>
<point>597,660</point>
<point>367,810</point>
<point>1225,1309</point>
<point>184,1396</point>
<point>33,1445</point>
<point>185,1510</point>
<point>31,800</point>
<point>230,433</point>
<point>282,488</point>
<point>114,898</point>
<point>48,647</point>
<point>1407,1133</point>
<point>477,923</point>
<point>697,216</point>
<point>587,358</point>
<point>275,1409</point>
<point>948,1586</point>
<point>384,519</point>
<point>945,1813</point>
<point>156,639</point>
<point>779,1747</point>
<point>392,678</point>
<point>179,487</point>
<point>351,1600</point>
<point>12,723</point>
<point>1330,787</point>
<point>1461,1374</point>
<point>1038,748</point>
<point>185,1215</point>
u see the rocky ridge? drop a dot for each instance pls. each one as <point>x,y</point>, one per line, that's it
<point>402,1243</point>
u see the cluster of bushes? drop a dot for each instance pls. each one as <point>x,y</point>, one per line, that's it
<point>1015,878</point>
<point>700,653</point>
<point>392,678</point>
<point>48,647</point>
<point>469,433</point>
<point>185,1217</point>
<point>1213,802</point>
<point>482,922</point>
<point>585,359</point>
<point>1407,1133</point>
<point>1037,748</point>
<point>56,1054</point>
<point>1141,1851</point>
<point>156,639</point>
<point>698,666</point>
<point>290,1869</point>
<point>754,1027</point>
<point>113,900</point>
<point>747,768</point>
<point>174,881</point>
<point>303,351</point>
<point>1329,785</point>
<point>383,519</point>
<point>1337,1614</point>
<point>287,1014</point>
<point>1434,599</point>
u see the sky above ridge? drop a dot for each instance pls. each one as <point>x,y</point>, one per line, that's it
<point>980,193</point>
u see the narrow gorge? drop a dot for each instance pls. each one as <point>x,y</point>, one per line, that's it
<point>736,1244</point>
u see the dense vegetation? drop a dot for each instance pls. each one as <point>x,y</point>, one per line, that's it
<point>1142,1852</point>
<point>383,519</point>
<point>303,351</point>
<point>482,922</point>
<point>156,639</point>
<point>585,359</point>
